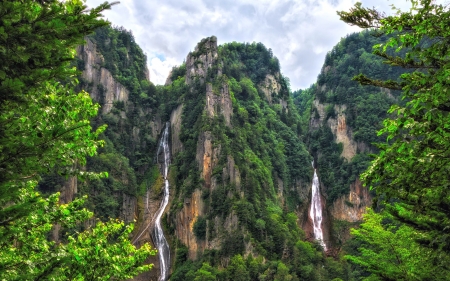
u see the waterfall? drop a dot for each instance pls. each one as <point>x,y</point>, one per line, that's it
<point>158,235</point>
<point>315,211</point>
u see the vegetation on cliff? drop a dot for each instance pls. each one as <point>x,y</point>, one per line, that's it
<point>365,109</point>
<point>263,141</point>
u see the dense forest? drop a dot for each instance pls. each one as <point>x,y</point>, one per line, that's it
<point>80,137</point>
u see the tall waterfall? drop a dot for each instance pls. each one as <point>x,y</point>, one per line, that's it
<point>315,211</point>
<point>158,235</point>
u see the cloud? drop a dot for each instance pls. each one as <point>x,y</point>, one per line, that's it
<point>300,32</point>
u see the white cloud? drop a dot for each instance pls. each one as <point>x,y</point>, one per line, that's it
<point>300,32</point>
<point>159,69</point>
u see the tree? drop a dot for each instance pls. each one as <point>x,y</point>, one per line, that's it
<point>45,127</point>
<point>410,173</point>
<point>390,252</point>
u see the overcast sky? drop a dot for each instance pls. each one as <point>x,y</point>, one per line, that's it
<point>300,32</point>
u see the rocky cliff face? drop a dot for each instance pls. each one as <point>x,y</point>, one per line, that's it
<point>342,133</point>
<point>175,126</point>
<point>202,59</point>
<point>351,207</point>
<point>105,89</point>
<point>218,103</point>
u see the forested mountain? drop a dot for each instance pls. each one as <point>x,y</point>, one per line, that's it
<point>242,147</point>
<point>240,172</point>
<point>223,170</point>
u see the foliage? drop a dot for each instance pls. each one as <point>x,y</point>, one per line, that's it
<point>389,250</point>
<point>37,40</point>
<point>200,228</point>
<point>46,128</point>
<point>101,253</point>
<point>251,60</point>
<point>126,61</point>
<point>410,174</point>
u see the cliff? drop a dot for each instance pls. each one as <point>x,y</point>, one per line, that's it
<point>343,120</point>
<point>104,88</point>
<point>238,166</point>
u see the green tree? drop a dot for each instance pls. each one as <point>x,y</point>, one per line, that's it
<point>205,273</point>
<point>390,252</point>
<point>412,167</point>
<point>45,127</point>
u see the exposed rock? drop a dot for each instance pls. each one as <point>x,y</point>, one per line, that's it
<point>342,133</point>
<point>185,219</point>
<point>175,124</point>
<point>280,190</point>
<point>148,206</point>
<point>314,122</point>
<point>67,193</point>
<point>219,103</point>
<point>222,227</point>
<point>129,208</point>
<point>387,92</point>
<point>146,73</point>
<point>105,88</point>
<point>231,172</point>
<point>207,157</point>
<point>352,206</point>
<point>283,104</point>
<point>156,126</point>
<point>269,87</point>
<point>199,61</point>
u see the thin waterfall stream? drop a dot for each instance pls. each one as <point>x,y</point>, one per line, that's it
<point>157,235</point>
<point>315,211</point>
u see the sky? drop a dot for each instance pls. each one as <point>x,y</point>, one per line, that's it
<point>299,32</point>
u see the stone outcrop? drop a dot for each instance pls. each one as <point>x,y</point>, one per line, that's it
<point>105,89</point>
<point>231,172</point>
<point>203,58</point>
<point>192,208</point>
<point>175,124</point>
<point>219,102</point>
<point>129,208</point>
<point>207,157</point>
<point>68,191</point>
<point>270,87</point>
<point>343,134</point>
<point>351,207</point>
<point>157,126</point>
